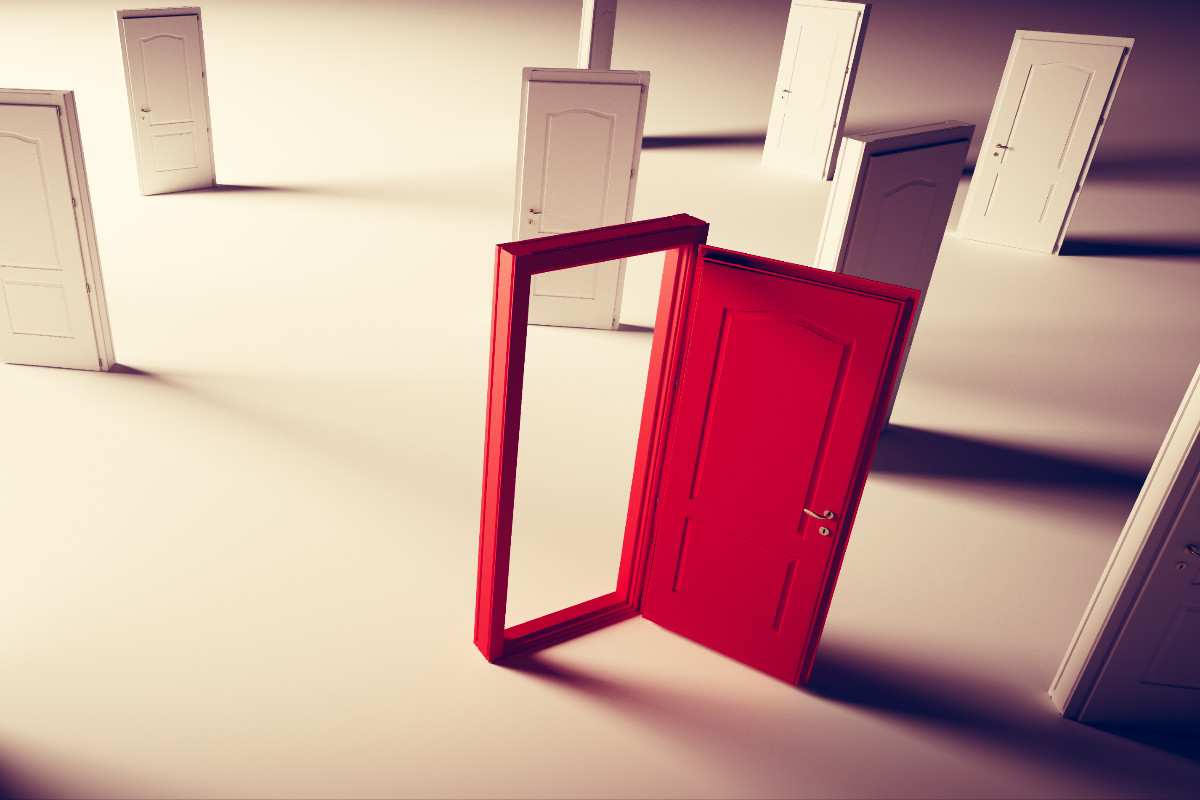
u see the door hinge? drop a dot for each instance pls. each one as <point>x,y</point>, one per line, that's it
<point>73,203</point>
<point>100,363</point>
<point>58,110</point>
<point>89,287</point>
<point>675,387</point>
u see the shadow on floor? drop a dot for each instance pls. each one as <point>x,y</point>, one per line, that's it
<point>913,451</point>
<point>915,699</point>
<point>706,140</point>
<point>1127,246</point>
<point>1001,716</point>
<point>634,328</point>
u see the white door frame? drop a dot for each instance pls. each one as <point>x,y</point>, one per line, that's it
<point>772,156</point>
<point>1172,484</point>
<point>596,33</point>
<point>994,136</point>
<point>841,229</point>
<point>521,214</point>
<point>64,101</point>
<point>134,111</point>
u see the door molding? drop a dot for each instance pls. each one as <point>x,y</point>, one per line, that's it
<point>85,227</point>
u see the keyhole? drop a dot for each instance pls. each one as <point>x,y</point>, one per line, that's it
<point>1182,565</point>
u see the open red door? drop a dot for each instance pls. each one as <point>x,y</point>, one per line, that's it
<point>767,389</point>
<point>775,421</point>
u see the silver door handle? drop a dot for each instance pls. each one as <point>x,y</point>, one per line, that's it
<point>815,515</point>
<point>145,111</point>
<point>531,211</point>
<point>1003,147</point>
<point>1191,548</point>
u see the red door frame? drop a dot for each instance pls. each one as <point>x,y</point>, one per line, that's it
<point>682,238</point>
<point>679,237</point>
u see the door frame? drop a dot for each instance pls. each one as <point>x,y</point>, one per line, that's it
<point>682,238</point>
<point>1173,478</point>
<point>597,31</point>
<point>989,132</point>
<point>516,263</point>
<point>142,13</point>
<point>85,225</point>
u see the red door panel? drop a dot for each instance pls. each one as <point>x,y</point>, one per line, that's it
<point>779,403</point>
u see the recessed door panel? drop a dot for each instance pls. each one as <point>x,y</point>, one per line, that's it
<point>816,74</point>
<point>580,140</point>
<point>46,315</point>
<point>1040,138</point>
<point>781,393</point>
<point>168,98</point>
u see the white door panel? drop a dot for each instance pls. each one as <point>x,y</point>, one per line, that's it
<point>816,73</point>
<point>50,295</point>
<point>889,206</point>
<point>580,140</point>
<point>596,33</point>
<point>1044,126</point>
<point>168,98</point>
<point>1135,660</point>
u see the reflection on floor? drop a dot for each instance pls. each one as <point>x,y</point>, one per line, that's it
<point>244,564</point>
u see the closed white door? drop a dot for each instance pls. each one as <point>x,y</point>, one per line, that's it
<point>1135,660</point>
<point>168,98</point>
<point>816,74</point>
<point>49,315</point>
<point>580,139</point>
<point>596,32</point>
<point>889,206</point>
<point>1049,112</point>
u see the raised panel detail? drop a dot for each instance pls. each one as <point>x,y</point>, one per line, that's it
<point>579,146</point>
<point>37,309</point>
<point>26,226</point>
<point>1019,200</point>
<point>901,227</point>
<point>168,83</point>
<point>1048,115</point>
<point>711,561</point>
<point>759,441</point>
<point>1177,659</point>
<point>173,151</point>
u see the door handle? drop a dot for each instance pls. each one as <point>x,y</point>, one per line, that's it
<point>830,515</point>
<point>1003,147</point>
<point>1191,548</point>
<point>531,211</point>
<point>145,111</point>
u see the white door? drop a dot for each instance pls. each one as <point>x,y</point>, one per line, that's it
<point>816,73</point>
<point>51,298</point>
<point>577,159</point>
<point>596,34</point>
<point>887,213</point>
<point>1053,100</point>
<point>1135,660</point>
<point>168,98</point>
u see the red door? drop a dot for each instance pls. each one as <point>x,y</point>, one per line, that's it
<point>779,403</point>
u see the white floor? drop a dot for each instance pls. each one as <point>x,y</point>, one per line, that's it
<point>244,565</point>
